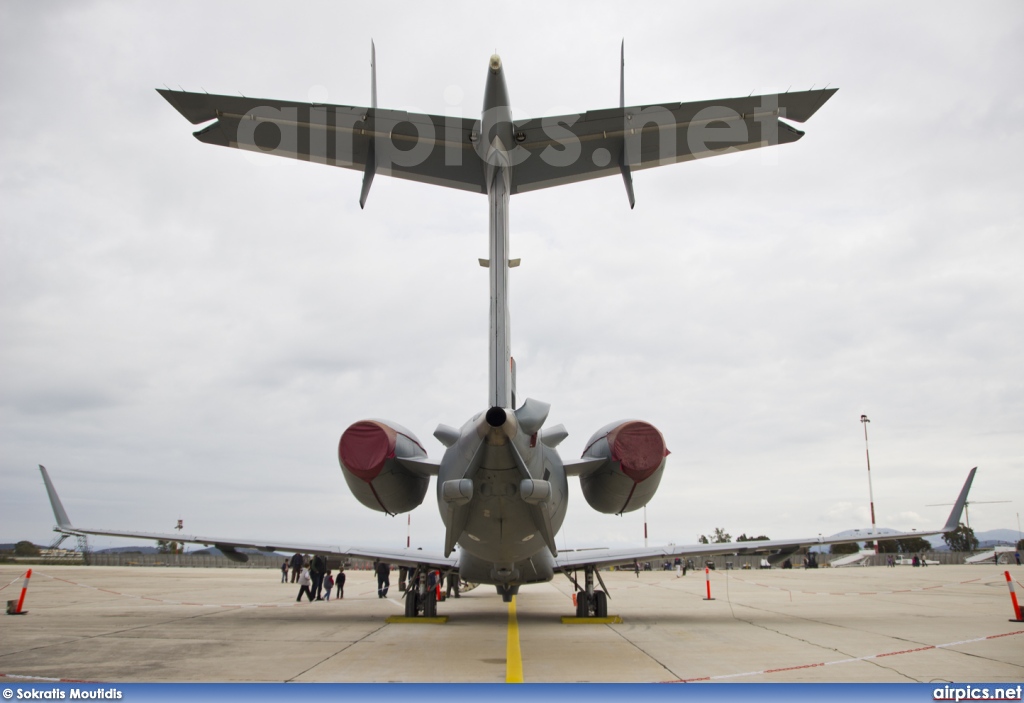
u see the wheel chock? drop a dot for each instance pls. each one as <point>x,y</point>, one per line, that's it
<point>403,620</point>
<point>573,620</point>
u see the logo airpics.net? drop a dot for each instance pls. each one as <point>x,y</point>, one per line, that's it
<point>976,693</point>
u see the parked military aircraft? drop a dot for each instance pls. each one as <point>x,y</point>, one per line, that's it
<point>501,487</point>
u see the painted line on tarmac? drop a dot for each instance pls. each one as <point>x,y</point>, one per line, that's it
<point>721,677</point>
<point>513,654</point>
<point>852,593</point>
<point>763,672</point>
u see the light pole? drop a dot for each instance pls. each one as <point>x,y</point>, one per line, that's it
<point>871,494</point>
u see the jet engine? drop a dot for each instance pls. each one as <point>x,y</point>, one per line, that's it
<point>371,453</point>
<point>634,454</point>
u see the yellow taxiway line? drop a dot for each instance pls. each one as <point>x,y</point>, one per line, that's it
<point>513,657</point>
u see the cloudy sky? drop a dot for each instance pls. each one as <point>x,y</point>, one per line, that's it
<point>185,330</point>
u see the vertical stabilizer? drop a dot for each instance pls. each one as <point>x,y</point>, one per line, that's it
<point>371,157</point>
<point>627,177</point>
<point>373,75</point>
<point>622,74</point>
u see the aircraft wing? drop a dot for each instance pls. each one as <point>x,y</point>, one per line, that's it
<point>570,148</point>
<point>602,556</point>
<point>427,148</point>
<point>230,546</point>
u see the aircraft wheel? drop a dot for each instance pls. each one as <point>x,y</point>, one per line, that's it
<point>600,604</point>
<point>582,611</point>
<point>430,605</point>
<point>410,604</point>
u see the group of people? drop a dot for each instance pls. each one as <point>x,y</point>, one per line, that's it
<point>890,560</point>
<point>315,580</point>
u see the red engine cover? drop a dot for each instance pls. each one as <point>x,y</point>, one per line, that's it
<point>639,447</point>
<point>365,446</point>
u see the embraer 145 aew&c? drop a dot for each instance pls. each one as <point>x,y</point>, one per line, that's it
<point>501,486</point>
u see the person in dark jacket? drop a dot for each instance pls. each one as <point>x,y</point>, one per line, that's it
<point>296,563</point>
<point>339,582</point>
<point>383,579</point>
<point>317,570</point>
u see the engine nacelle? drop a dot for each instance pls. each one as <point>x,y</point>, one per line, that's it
<point>634,454</point>
<point>369,453</point>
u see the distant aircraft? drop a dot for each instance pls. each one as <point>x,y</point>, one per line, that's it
<point>501,486</point>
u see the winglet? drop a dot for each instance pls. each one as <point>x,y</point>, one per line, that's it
<point>58,510</point>
<point>953,521</point>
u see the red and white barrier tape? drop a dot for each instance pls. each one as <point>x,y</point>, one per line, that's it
<point>764,672</point>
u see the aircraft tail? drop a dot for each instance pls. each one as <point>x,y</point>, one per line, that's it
<point>371,157</point>
<point>627,176</point>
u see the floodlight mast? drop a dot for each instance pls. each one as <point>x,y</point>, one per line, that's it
<point>871,494</point>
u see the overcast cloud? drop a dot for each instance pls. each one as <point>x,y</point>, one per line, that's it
<point>185,331</point>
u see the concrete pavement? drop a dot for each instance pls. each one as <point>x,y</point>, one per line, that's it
<point>114,624</point>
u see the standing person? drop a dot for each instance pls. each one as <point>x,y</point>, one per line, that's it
<point>1016,555</point>
<point>452,584</point>
<point>383,579</point>
<point>328,585</point>
<point>340,582</point>
<point>296,566</point>
<point>636,567</point>
<point>317,569</point>
<point>304,582</point>
<point>284,572</point>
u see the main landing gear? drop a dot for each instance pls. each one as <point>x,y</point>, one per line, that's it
<point>590,602</point>
<point>420,598</point>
